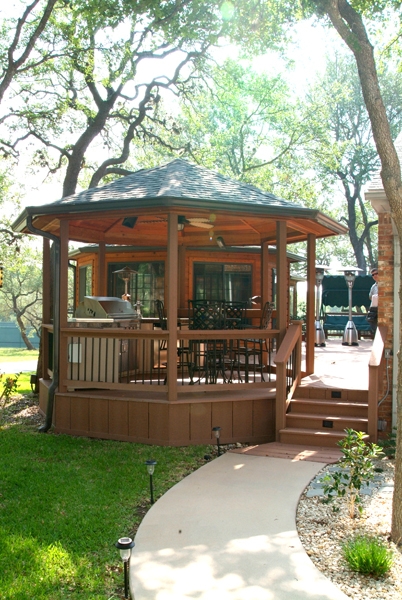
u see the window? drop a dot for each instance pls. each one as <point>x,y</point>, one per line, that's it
<point>85,282</point>
<point>147,285</point>
<point>217,281</point>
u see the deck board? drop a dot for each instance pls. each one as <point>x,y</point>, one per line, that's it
<point>292,452</point>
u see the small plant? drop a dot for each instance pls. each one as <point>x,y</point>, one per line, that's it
<point>355,471</point>
<point>10,388</point>
<point>389,445</point>
<point>368,555</point>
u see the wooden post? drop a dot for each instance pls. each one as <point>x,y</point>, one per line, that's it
<point>46,308</point>
<point>181,293</point>
<point>310,316</point>
<point>282,279</point>
<point>63,301</point>
<point>101,288</point>
<point>172,279</point>
<point>264,274</point>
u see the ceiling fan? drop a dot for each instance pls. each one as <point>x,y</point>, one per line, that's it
<point>201,222</point>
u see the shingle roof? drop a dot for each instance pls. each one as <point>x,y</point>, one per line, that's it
<point>375,183</point>
<point>177,179</point>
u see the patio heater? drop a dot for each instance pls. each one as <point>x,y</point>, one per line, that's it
<point>125,275</point>
<point>319,339</point>
<point>350,336</point>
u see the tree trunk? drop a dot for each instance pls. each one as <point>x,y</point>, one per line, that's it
<point>24,334</point>
<point>350,27</point>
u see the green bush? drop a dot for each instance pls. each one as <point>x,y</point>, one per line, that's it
<point>368,555</point>
<point>355,470</point>
<point>389,444</point>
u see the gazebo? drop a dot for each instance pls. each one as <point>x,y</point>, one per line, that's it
<point>170,211</point>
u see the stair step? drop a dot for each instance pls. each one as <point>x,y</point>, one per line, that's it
<point>335,407</point>
<point>318,421</point>
<point>310,437</point>
<point>320,393</point>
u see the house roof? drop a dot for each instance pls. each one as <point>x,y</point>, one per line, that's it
<point>185,189</point>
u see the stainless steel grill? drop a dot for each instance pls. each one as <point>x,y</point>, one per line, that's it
<point>104,307</point>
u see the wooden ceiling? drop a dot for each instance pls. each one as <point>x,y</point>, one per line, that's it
<point>150,228</point>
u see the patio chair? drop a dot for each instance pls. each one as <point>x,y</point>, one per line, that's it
<point>251,350</point>
<point>182,351</point>
<point>208,356</point>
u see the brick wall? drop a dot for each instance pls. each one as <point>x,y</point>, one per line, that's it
<point>386,304</point>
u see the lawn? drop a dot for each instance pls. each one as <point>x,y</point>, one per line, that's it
<point>65,501</point>
<point>17,354</point>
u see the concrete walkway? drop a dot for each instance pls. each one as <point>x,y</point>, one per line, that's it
<point>228,532</point>
<point>21,366</point>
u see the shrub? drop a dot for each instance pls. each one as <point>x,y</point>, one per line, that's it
<point>368,555</point>
<point>356,469</point>
<point>389,444</point>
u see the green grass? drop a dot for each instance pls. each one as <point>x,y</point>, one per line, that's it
<point>17,354</point>
<point>65,501</point>
<point>368,555</point>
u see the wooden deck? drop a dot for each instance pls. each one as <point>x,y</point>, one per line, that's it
<point>293,452</point>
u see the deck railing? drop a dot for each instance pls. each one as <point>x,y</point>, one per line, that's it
<point>118,358</point>
<point>376,372</point>
<point>288,372</point>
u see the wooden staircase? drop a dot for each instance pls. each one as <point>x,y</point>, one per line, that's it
<point>318,416</point>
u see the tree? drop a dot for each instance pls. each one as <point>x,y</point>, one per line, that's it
<point>344,151</point>
<point>19,43</point>
<point>347,19</point>
<point>96,93</point>
<point>21,294</point>
<point>247,126</point>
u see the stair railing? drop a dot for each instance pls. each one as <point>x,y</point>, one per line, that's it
<point>288,372</point>
<point>376,372</point>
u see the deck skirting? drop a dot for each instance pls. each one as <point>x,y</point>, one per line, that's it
<point>245,417</point>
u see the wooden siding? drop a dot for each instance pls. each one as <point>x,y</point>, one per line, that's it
<point>183,423</point>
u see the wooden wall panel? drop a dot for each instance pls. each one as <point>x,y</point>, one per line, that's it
<point>222,416</point>
<point>80,414</point>
<point>118,417</point>
<point>138,420</point>
<point>159,422</point>
<point>262,415</point>
<point>200,421</point>
<point>62,412</point>
<point>99,415</point>
<point>176,424</point>
<point>179,424</point>
<point>242,420</point>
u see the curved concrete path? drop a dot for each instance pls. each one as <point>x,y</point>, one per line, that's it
<point>228,532</point>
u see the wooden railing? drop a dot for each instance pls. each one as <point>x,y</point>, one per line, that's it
<point>376,372</point>
<point>118,358</point>
<point>288,372</point>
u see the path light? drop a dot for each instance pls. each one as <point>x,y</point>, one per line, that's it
<point>217,432</point>
<point>151,468</point>
<point>319,339</point>
<point>350,334</point>
<point>125,545</point>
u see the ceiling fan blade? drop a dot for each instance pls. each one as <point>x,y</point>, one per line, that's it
<point>200,222</point>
